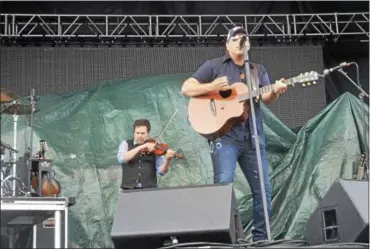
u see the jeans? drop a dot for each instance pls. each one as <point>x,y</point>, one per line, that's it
<point>225,153</point>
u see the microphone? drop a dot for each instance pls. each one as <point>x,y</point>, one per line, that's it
<point>343,64</point>
<point>242,41</point>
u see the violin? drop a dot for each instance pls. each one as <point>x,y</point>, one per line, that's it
<point>160,149</point>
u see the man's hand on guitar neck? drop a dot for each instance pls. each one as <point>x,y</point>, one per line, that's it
<point>279,88</point>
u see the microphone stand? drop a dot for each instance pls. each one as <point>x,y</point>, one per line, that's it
<point>363,93</point>
<point>32,99</point>
<point>256,136</point>
<point>361,97</point>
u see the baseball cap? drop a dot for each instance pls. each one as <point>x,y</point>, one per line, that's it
<point>234,31</point>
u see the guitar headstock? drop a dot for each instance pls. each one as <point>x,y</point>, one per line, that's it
<point>43,147</point>
<point>305,79</point>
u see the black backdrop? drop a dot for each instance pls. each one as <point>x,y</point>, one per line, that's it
<point>61,69</point>
<point>333,53</point>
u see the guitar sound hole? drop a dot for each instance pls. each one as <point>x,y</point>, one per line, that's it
<point>225,94</point>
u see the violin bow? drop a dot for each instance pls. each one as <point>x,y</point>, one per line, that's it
<point>169,121</point>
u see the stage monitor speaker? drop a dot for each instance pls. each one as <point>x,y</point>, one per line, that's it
<point>44,235</point>
<point>149,218</point>
<point>342,215</point>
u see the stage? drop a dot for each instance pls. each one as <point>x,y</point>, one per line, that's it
<point>76,78</point>
<point>20,213</point>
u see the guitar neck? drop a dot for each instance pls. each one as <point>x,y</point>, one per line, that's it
<point>265,89</point>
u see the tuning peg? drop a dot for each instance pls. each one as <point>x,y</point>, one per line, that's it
<point>314,82</point>
<point>306,73</point>
<point>308,83</point>
<point>303,84</point>
<point>293,84</point>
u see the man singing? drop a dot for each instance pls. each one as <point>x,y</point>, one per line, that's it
<point>237,145</point>
<point>140,170</point>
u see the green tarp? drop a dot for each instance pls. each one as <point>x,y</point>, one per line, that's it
<point>83,131</point>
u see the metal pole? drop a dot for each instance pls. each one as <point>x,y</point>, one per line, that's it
<point>361,97</point>
<point>255,136</point>
<point>34,241</point>
<point>15,119</point>
<point>66,227</point>
<point>57,229</point>
<point>32,99</point>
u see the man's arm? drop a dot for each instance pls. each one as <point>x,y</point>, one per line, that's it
<point>163,162</point>
<point>124,155</point>
<point>162,165</point>
<point>201,82</point>
<point>192,88</point>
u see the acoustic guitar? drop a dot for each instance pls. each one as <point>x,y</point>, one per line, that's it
<point>213,114</point>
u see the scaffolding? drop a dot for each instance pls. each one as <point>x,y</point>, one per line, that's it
<point>54,26</point>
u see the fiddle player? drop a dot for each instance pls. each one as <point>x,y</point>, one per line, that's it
<point>140,170</point>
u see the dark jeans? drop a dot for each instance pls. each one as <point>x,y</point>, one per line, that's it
<point>225,153</point>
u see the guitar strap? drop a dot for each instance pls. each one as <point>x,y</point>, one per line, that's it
<point>254,73</point>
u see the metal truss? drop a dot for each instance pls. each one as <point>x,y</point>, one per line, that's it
<point>277,26</point>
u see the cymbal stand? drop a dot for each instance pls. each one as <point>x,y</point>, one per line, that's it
<point>13,156</point>
<point>33,100</point>
<point>1,172</point>
<point>15,120</point>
